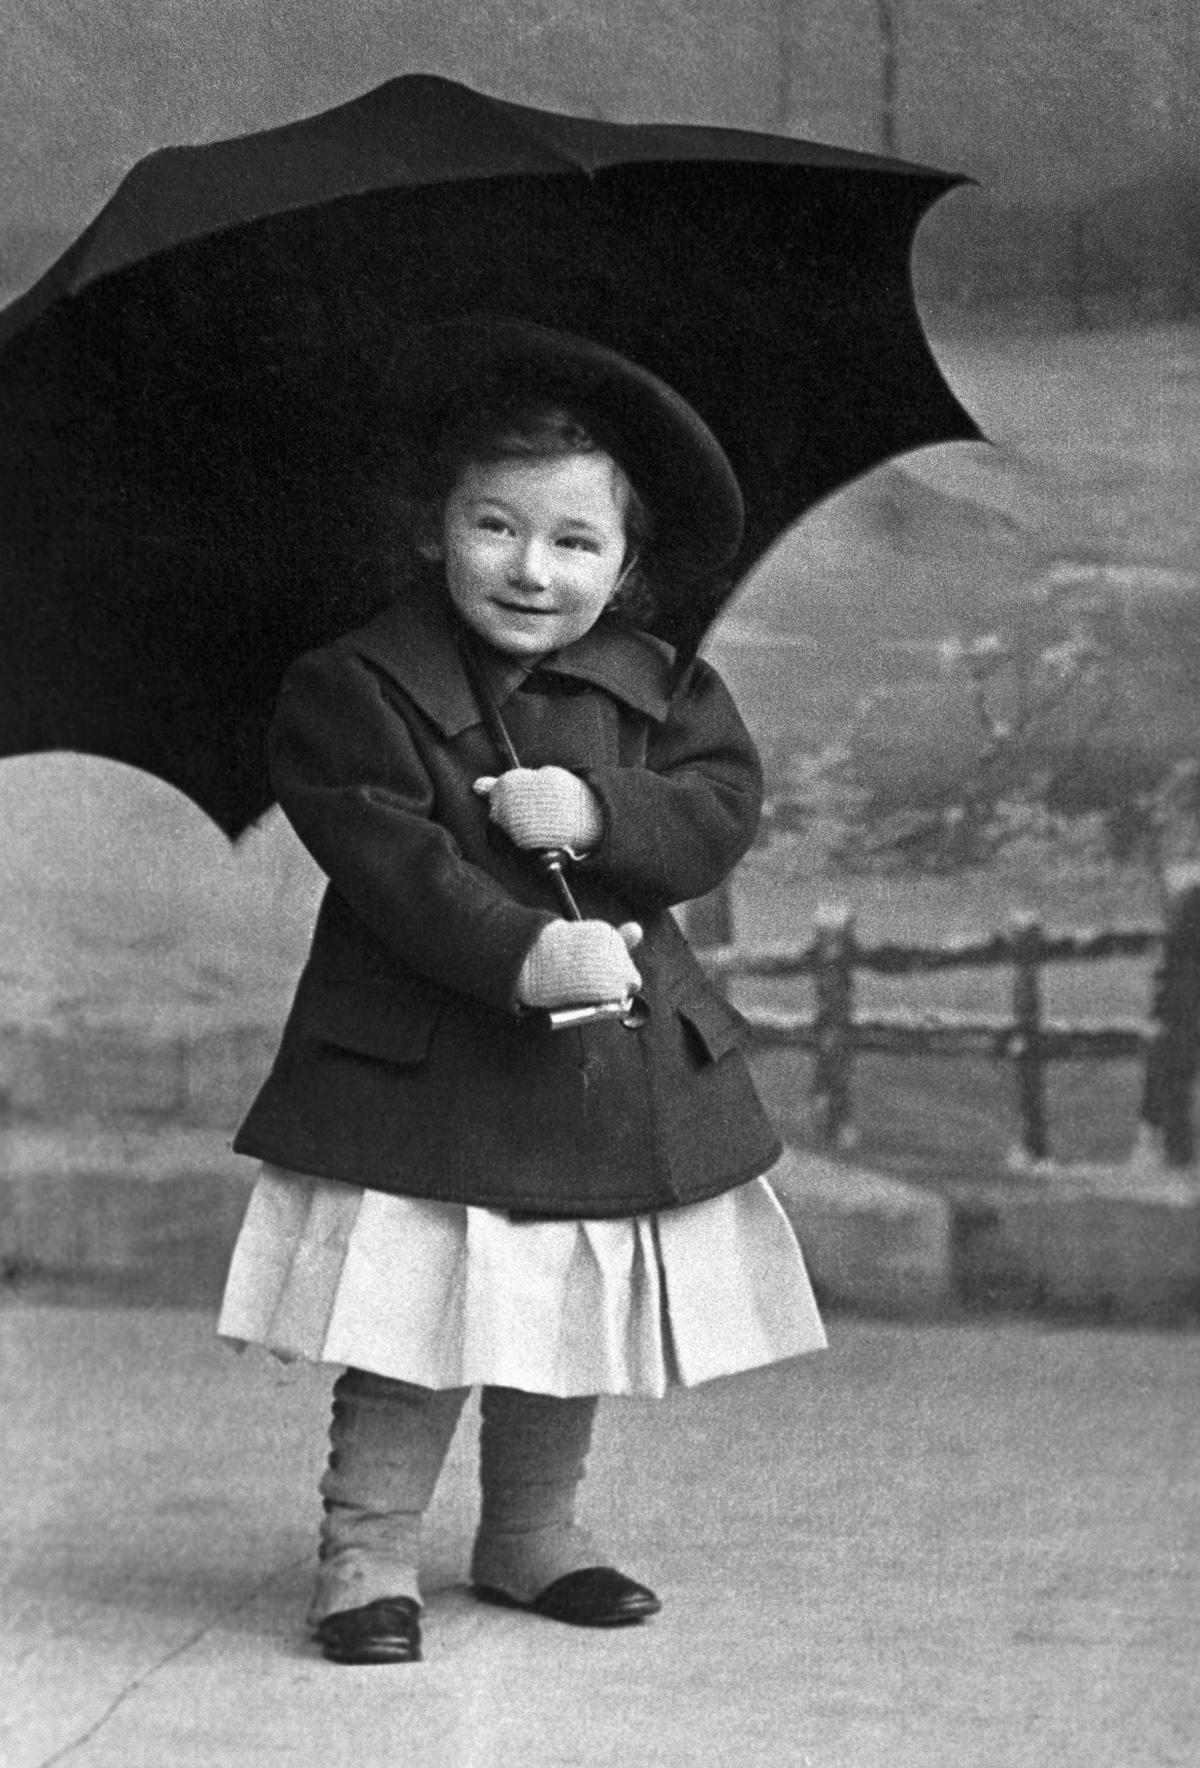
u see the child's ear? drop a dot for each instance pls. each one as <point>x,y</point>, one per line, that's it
<point>632,561</point>
<point>423,519</point>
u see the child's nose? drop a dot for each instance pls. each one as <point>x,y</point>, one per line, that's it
<point>535,565</point>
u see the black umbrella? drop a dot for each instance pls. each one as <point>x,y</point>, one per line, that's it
<point>189,398</point>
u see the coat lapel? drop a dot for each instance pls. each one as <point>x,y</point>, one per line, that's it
<point>633,667</point>
<point>414,643</point>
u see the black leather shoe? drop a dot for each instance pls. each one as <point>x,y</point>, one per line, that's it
<point>597,1596</point>
<point>383,1632</point>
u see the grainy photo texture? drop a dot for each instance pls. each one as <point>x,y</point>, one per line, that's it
<point>600,865</point>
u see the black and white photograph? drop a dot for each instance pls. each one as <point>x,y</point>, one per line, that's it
<point>600,883</point>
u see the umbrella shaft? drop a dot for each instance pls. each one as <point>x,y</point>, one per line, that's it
<point>551,863</point>
<point>633,1011</point>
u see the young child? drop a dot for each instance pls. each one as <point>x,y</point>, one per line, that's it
<point>455,1194</point>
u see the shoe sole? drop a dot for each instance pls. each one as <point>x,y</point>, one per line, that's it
<point>382,1654</point>
<point>501,1599</point>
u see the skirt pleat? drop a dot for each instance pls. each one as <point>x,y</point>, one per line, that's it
<point>446,1295</point>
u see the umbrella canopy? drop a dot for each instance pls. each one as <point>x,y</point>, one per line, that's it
<point>190,399</point>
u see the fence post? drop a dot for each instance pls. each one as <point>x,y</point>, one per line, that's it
<point>1034,1144</point>
<point>833,975</point>
<point>708,920</point>
<point>707,923</point>
<point>1174,1048</point>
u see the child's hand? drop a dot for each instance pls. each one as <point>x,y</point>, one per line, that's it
<point>578,963</point>
<point>544,807</point>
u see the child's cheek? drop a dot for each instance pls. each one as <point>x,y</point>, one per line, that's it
<point>478,558</point>
<point>492,554</point>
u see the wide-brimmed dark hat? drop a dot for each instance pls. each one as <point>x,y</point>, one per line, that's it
<point>672,457</point>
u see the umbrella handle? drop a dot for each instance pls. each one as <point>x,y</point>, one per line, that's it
<point>632,1012</point>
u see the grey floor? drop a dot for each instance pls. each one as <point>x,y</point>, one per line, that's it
<point>966,1545</point>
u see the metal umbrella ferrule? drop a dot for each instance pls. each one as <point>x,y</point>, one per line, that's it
<point>632,1013</point>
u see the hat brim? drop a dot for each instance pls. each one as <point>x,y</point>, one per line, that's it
<point>672,457</point>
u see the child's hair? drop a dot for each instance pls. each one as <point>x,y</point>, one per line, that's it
<point>521,427</point>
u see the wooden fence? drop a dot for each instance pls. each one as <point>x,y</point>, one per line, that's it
<point>1168,1041</point>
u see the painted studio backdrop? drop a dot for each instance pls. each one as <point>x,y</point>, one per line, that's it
<point>972,672</point>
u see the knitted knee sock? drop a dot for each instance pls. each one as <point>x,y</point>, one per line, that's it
<point>389,1440</point>
<point>532,1451</point>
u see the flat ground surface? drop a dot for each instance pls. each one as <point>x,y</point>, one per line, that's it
<point>959,1546</point>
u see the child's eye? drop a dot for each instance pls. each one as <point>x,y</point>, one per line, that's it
<point>493,525</point>
<point>578,543</point>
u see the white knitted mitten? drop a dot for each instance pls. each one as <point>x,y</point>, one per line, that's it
<point>575,963</point>
<point>543,807</point>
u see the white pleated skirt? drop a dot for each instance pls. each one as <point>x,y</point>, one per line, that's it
<point>446,1295</point>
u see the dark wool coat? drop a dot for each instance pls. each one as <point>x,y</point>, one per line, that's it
<point>404,1065</point>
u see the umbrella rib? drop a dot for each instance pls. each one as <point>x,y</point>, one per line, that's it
<point>521,126</point>
<point>190,453</point>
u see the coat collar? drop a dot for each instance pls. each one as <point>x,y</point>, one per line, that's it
<point>414,642</point>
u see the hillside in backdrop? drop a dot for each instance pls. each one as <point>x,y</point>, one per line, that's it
<point>1083,506</point>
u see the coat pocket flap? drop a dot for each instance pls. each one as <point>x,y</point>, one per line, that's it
<point>717,1025</point>
<point>373,1022</point>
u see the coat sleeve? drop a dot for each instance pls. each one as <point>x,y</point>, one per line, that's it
<point>676,827</point>
<point>350,779</point>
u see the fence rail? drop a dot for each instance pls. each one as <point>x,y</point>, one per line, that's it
<point>1167,1041</point>
<point>947,1034</point>
<point>892,959</point>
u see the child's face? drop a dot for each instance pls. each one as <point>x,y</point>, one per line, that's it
<point>534,549</point>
